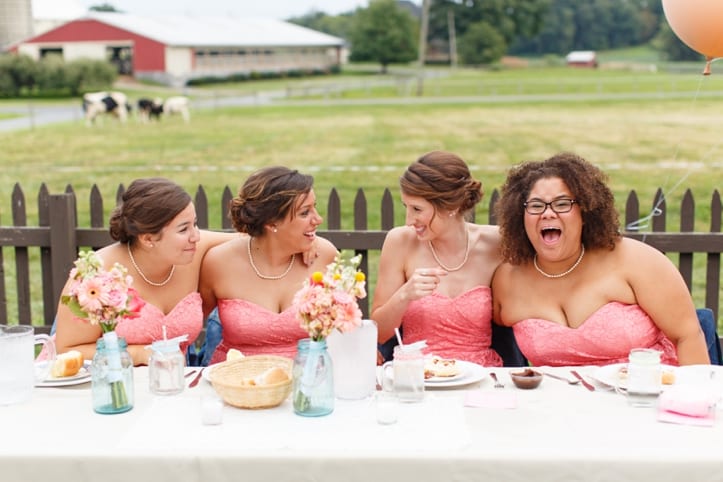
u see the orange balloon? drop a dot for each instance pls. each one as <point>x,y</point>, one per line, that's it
<point>698,23</point>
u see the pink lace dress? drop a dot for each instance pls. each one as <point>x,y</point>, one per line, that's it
<point>254,330</point>
<point>459,327</point>
<point>186,318</point>
<point>606,337</point>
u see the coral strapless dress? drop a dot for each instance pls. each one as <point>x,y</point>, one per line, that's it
<point>606,337</point>
<point>459,327</point>
<point>186,318</point>
<point>254,330</point>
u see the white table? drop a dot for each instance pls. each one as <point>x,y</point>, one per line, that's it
<point>557,432</point>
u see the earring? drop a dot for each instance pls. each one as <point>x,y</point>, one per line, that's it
<point>275,230</point>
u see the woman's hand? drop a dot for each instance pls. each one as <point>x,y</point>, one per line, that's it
<point>423,283</point>
<point>309,256</point>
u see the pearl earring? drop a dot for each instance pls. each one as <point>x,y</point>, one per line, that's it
<point>275,230</point>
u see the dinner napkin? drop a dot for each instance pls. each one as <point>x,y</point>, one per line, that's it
<point>486,399</point>
<point>687,405</point>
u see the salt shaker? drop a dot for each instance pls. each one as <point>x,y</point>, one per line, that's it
<point>166,367</point>
<point>644,377</point>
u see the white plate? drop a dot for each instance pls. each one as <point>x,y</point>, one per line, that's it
<point>608,375</point>
<point>83,376</point>
<point>469,373</point>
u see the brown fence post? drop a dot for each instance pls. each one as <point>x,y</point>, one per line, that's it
<point>63,239</point>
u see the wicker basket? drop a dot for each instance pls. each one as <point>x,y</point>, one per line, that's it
<point>227,378</point>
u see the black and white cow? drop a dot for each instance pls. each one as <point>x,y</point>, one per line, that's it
<point>97,103</point>
<point>149,109</point>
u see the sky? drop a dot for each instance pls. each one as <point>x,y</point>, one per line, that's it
<point>279,9</point>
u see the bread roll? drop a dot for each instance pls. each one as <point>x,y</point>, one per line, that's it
<point>233,354</point>
<point>67,364</point>
<point>269,377</point>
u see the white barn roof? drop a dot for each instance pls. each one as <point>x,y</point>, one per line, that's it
<point>199,31</point>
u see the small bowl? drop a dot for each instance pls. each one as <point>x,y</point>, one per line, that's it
<point>526,379</point>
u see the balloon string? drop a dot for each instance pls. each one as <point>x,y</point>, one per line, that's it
<point>642,223</point>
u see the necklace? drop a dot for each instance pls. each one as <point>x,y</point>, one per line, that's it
<point>458,267</point>
<point>263,276</point>
<point>572,268</point>
<point>152,283</point>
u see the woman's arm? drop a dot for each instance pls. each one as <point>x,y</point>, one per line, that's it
<point>661,292</point>
<point>393,290</point>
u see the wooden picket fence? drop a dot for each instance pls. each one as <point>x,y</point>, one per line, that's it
<point>59,238</point>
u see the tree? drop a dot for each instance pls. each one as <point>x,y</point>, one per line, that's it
<point>481,44</point>
<point>509,18</point>
<point>104,7</point>
<point>337,25</point>
<point>383,33</point>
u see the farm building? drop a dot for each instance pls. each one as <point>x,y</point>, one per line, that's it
<point>582,58</point>
<point>175,49</point>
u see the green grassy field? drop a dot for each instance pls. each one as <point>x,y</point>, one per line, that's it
<point>647,130</point>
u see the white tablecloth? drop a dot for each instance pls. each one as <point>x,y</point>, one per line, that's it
<point>557,432</point>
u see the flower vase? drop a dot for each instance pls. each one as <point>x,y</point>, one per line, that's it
<point>313,379</point>
<point>112,375</point>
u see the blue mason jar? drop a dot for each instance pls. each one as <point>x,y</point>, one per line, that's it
<point>112,375</point>
<point>313,379</point>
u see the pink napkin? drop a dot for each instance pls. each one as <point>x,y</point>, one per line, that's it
<point>686,406</point>
<point>486,399</point>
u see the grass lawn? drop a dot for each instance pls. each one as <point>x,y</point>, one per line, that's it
<point>647,130</point>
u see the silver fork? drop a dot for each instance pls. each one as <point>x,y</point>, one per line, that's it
<point>498,384</point>
<point>564,379</point>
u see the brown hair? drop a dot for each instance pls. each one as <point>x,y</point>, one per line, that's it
<point>146,207</point>
<point>588,186</point>
<point>268,195</point>
<point>444,180</point>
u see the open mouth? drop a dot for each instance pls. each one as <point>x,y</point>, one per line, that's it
<point>550,234</point>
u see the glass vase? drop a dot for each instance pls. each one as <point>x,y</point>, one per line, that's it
<point>112,375</point>
<point>313,379</point>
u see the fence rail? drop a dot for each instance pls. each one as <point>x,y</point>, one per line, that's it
<point>59,238</point>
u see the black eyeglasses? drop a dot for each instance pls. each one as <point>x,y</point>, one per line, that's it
<point>558,205</point>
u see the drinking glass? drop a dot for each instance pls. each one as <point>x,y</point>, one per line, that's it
<point>18,371</point>
<point>407,374</point>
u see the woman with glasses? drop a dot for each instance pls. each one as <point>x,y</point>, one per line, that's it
<point>575,291</point>
<point>435,272</point>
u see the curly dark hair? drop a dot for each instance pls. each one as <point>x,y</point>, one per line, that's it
<point>268,195</point>
<point>443,179</point>
<point>146,207</point>
<point>588,186</point>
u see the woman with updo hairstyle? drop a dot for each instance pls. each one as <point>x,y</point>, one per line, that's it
<point>573,289</point>
<point>252,280</point>
<point>435,272</point>
<point>158,241</point>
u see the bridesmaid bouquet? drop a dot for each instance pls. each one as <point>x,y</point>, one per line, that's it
<point>328,300</point>
<point>104,297</point>
<point>99,296</point>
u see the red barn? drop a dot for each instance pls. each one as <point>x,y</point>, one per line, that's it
<point>582,58</point>
<point>173,49</point>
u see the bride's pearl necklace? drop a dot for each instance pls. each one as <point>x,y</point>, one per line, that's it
<point>560,275</point>
<point>152,283</point>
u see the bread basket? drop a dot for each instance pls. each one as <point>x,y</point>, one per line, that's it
<point>227,378</point>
